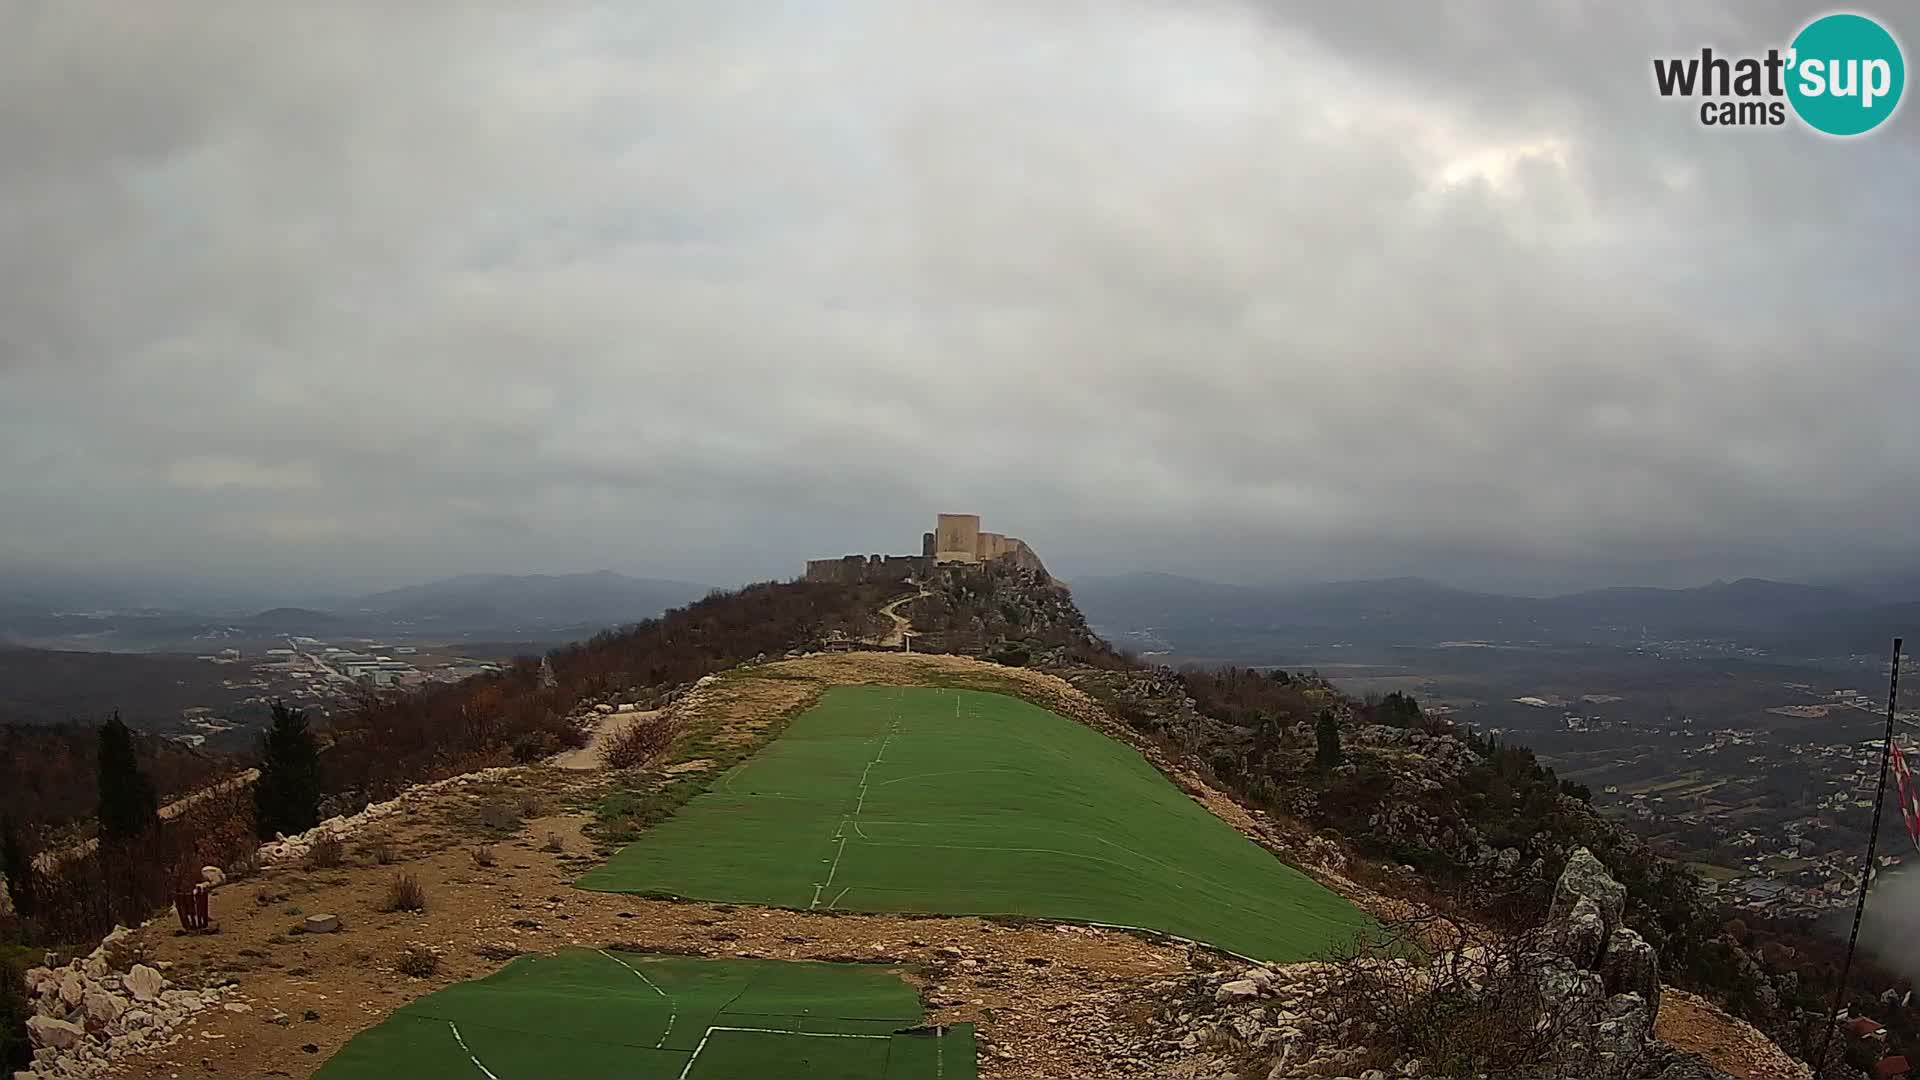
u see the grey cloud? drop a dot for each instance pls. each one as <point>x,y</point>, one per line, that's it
<point>699,290</point>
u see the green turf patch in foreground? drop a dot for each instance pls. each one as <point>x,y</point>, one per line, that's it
<point>591,1015</point>
<point>969,803</point>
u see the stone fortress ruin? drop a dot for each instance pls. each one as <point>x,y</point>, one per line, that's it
<point>956,539</point>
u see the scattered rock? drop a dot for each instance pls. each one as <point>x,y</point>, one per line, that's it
<point>55,1034</point>
<point>1237,990</point>
<point>144,983</point>
<point>321,924</point>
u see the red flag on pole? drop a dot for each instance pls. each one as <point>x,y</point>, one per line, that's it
<point>1909,801</point>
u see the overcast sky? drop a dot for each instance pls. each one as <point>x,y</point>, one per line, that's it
<point>372,293</point>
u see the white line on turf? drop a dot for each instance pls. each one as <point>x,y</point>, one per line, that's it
<point>673,1010</point>
<point>767,1031</point>
<point>484,1071</point>
<point>840,833</point>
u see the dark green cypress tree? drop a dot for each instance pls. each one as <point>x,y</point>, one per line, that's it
<point>128,807</point>
<point>286,799</point>
<point>17,864</point>
<point>1327,734</point>
<point>16,1047</point>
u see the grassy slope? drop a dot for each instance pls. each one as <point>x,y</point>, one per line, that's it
<point>961,802</point>
<point>584,1014</point>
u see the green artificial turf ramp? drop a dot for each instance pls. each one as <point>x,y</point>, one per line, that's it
<point>969,803</point>
<point>592,1015</point>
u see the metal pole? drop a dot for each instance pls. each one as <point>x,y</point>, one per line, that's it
<point>1873,841</point>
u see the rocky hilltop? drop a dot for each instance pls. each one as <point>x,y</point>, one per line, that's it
<point>1522,934</point>
<point>1576,997</point>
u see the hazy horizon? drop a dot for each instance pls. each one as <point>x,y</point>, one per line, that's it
<point>337,298</point>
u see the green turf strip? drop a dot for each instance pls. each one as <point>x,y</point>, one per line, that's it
<point>962,802</point>
<point>589,1015</point>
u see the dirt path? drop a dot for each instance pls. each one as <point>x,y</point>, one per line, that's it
<point>901,626</point>
<point>604,729</point>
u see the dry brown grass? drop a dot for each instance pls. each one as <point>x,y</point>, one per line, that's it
<point>405,893</point>
<point>327,853</point>
<point>639,742</point>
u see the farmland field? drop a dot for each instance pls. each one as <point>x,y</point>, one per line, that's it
<point>893,799</point>
<point>591,1014</point>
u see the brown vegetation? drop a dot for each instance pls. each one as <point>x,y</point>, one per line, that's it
<point>405,893</point>
<point>1482,1007</point>
<point>327,853</point>
<point>84,894</point>
<point>638,743</point>
<point>47,773</point>
<point>417,961</point>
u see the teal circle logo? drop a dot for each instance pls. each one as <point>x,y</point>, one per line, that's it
<point>1845,74</point>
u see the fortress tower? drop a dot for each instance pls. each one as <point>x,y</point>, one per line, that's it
<point>956,538</point>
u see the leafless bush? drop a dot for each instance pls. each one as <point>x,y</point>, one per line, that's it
<point>482,855</point>
<point>327,853</point>
<point>417,961</point>
<point>553,843</point>
<point>1461,999</point>
<point>405,893</point>
<point>244,866</point>
<point>638,743</point>
<point>498,815</point>
<point>383,852</point>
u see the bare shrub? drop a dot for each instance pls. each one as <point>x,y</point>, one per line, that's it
<point>327,853</point>
<point>638,743</point>
<point>1461,999</point>
<point>244,866</point>
<point>554,843</point>
<point>405,893</point>
<point>482,855</point>
<point>383,852</point>
<point>417,961</point>
<point>530,805</point>
<point>498,815</point>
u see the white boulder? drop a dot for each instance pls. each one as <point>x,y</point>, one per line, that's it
<point>55,1034</point>
<point>103,1007</point>
<point>144,983</point>
<point>1237,990</point>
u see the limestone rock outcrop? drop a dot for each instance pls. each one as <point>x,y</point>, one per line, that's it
<point>1587,987</point>
<point>89,1013</point>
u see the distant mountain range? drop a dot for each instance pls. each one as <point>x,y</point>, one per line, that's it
<point>509,601</point>
<point>1204,618</point>
<point>524,608</point>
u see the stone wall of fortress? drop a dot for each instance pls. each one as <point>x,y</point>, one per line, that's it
<point>955,539</point>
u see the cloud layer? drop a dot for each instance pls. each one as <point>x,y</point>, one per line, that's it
<point>702,289</point>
